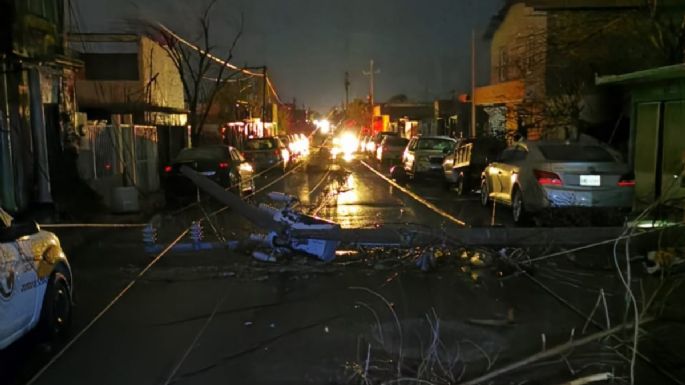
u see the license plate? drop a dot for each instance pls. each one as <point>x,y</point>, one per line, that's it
<point>590,180</point>
<point>208,173</point>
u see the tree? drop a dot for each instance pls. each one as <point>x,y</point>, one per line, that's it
<point>399,98</point>
<point>558,57</point>
<point>204,71</point>
<point>359,111</point>
<point>666,31</point>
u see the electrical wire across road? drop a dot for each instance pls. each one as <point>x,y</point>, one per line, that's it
<point>89,225</point>
<point>121,293</point>
<point>416,197</point>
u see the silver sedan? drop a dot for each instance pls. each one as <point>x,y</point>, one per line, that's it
<point>532,176</point>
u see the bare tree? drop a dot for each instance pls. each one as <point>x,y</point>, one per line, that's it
<point>667,31</point>
<point>558,59</point>
<point>203,69</point>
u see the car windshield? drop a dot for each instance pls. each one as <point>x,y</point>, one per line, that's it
<point>201,153</point>
<point>435,144</point>
<point>260,144</point>
<point>575,153</point>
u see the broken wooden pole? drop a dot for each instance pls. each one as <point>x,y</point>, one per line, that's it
<point>259,217</point>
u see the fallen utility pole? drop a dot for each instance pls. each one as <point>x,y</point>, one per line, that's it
<point>265,220</point>
<point>260,218</point>
<point>555,351</point>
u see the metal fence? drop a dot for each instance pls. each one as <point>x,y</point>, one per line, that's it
<point>120,155</point>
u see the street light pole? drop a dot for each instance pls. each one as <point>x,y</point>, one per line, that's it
<point>264,91</point>
<point>371,74</point>
<point>473,83</point>
<point>347,90</point>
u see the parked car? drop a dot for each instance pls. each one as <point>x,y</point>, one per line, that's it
<point>532,176</point>
<point>264,153</point>
<point>223,164</point>
<point>363,143</point>
<point>35,282</point>
<point>375,141</point>
<point>464,166</point>
<point>391,149</point>
<point>288,144</point>
<point>424,155</point>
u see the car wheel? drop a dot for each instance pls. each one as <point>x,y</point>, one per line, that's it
<point>413,176</point>
<point>55,315</point>
<point>484,193</point>
<point>518,209</point>
<point>234,183</point>
<point>460,186</point>
<point>398,173</point>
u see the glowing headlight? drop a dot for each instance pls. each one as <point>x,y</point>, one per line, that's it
<point>349,143</point>
<point>245,167</point>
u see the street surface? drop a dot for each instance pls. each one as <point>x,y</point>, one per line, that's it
<point>219,316</point>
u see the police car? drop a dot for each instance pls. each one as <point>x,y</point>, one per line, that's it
<point>35,282</point>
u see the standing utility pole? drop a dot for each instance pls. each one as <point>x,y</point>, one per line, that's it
<point>264,91</point>
<point>347,90</point>
<point>473,83</point>
<point>371,74</point>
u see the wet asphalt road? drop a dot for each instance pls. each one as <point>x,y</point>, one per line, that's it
<point>299,322</point>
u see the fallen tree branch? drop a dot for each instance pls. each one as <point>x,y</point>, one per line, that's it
<point>554,351</point>
<point>591,378</point>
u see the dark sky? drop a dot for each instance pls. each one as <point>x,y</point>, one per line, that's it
<point>422,48</point>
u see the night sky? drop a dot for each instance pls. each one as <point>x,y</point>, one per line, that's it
<point>422,48</point>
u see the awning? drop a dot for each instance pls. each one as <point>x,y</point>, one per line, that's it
<point>676,71</point>
<point>501,93</point>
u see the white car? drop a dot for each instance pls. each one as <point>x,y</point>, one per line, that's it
<point>35,282</point>
<point>424,155</point>
<point>537,175</point>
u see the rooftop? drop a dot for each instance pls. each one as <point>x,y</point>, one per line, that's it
<point>676,71</point>
<point>544,5</point>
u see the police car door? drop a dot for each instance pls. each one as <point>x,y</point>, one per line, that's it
<point>18,280</point>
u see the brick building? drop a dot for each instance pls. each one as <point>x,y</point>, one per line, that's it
<point>545,55</point>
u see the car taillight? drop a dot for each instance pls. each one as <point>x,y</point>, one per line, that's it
<point>626,181</point>
<point>168,169</point>
<point>223,165</point>
<point>547,178</point>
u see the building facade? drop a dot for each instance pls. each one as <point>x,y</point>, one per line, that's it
<point>37,121</point>
<point>130,95</point>
<point>657,108</point>
<point>545,55</point>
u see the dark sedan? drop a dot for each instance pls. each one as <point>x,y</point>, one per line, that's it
<point>222,164</point>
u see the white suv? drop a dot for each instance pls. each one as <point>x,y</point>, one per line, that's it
<point>424,154</point>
